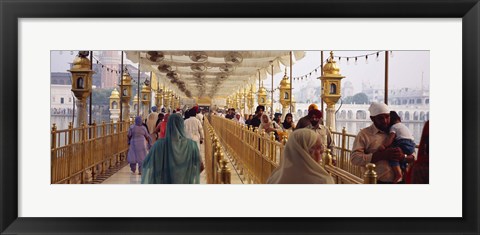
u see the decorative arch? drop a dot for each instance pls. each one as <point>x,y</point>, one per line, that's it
<point>114,105</point>
<point>415,116</point>
<point>343,114</point>
<point>350,114</point>
<point>422,116</point>
<point>361,115</point>
<point>407,116</point>
<point>333,88</point>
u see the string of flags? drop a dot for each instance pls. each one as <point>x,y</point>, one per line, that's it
<point>97,61</point>
<point>345,58</point>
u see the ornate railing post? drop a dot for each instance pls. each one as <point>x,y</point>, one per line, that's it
<point>53,156</point>
<point>344,148</point>
<point>70,151</point>
<point>225,173</point>
<point>272,146</point>
<point>370,176</point>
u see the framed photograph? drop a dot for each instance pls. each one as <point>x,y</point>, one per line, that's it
<point>31,30</point>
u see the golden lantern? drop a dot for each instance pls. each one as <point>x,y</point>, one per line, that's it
<point>126,94</point>
<point>262,96</point>
<point>285,96</point>
<point>146,94</point>
<point>331,82</point>
<point>114,105</point>
<point>159,97</point>
<point>250,99</point>
<point>81,84</point>
<point>135,105</point>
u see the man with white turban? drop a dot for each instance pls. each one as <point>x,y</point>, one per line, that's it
<point>370,139</point>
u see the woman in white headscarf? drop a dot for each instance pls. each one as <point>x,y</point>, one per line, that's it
<point>238,118</point>
<point>266,124</point>
<point>300,164</point>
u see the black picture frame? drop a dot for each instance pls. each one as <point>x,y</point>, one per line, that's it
<point>11,11</point>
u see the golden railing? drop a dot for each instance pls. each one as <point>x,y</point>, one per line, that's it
<point>342,150</point>
<point>254,153</point>
<point>80,154</point>
<point>257,154</point>
<point>341,176</point>
<point>215,162</point>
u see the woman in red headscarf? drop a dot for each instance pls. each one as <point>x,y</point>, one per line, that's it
<point>161,127</point>
<point>419,173</point>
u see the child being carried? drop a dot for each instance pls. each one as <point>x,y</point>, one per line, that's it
<point>400,136</point>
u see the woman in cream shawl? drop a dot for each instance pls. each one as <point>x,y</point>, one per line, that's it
<point>300,163</point>
<point>174,159</point>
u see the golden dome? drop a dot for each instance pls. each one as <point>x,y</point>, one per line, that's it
<point>81,63</point>
<point>262,91</point>
<point>115,94</point>
<point>135,99</point>
<point>285,83</point>
<point>127,80</point>
<point>145,89</point>
<point>331,66</point>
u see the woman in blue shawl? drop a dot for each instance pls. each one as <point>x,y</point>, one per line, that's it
<point>174,159</point>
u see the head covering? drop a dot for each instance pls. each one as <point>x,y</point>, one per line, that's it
<point>192,112</point>
<point>312,106</point>
<point>138,120</point>
<point>377,108</point>
<point>297,165</point>
<point>315,113</point>
<point>154,108</point>
<point>286,124</point>
<point>265,125</point>
<point>174,159</point>
<point>260,107</point>
<point>277,115</point>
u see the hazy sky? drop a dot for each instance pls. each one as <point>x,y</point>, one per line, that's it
<point>405,68</point>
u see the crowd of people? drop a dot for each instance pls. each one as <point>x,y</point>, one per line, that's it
<point>166,146</point>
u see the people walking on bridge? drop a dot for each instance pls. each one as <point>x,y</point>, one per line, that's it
<point>162,127</point>
<point>194,128</point>
<point>156,131</point>
<point>174,159</point>
<point>300,164</point>
<point>151,120</point>
<point>368,142</point>
<point>139,142</point>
